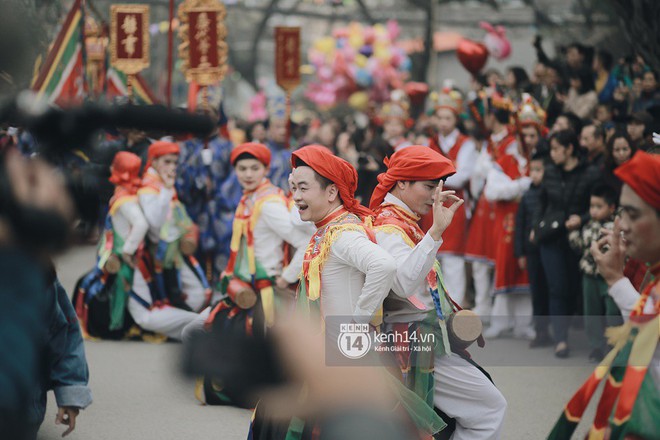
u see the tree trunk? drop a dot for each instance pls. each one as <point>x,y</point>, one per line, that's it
<point>639,20</point>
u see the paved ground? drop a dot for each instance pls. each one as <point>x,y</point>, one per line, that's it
<point>138,393</point>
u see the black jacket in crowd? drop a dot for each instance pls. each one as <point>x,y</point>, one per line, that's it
<point>525,222</point>
<point>567,192</point>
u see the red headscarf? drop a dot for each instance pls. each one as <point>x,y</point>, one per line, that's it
<point>416,162</point>
<point>259,151</point>
<point>642,174</point>
<point>125,171</point>
<point>161,148</point>
<point>335,169</point>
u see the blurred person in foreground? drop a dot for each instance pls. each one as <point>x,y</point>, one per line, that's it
<point>629,406</point>
<point>42,345</point>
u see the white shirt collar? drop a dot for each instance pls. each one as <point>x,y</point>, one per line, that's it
<point>497,137</point>
<point>389,198</point>
<point>447,142</point>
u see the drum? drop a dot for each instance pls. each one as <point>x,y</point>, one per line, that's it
<point>464,328</point>
<point>241,293</point>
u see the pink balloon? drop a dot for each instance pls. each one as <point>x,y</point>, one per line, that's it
<point>369,35</point>
<point>341,33</point>
<point>316,58</point>
<point>496,41</point>
<point>393,29</point>
<point>396,60</point>
<point>325,73</point>
<point>349,53</point>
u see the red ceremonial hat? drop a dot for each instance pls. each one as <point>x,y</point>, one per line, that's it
<point>642,174</point>
<point>161,148</point>
<point>125,170</point>
<point>255,149</point>
<point>335,169</point>
<point>416,162</point>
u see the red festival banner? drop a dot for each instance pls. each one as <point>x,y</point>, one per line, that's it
<point>287,57</point>
<point>129,37</point>
<point>203,50</point>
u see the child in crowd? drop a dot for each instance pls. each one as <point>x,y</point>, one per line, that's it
<point>599,307</point>
<point>528,256</point>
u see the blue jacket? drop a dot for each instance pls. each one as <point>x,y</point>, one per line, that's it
<point>64,366</point>
<point>525,222</point>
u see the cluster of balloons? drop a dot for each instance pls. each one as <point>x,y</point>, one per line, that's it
<point>473,54</point>
<point>358,64</point>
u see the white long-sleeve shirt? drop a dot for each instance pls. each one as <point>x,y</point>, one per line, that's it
<point>356,277</point>
<point>500,187</point>
<point>466,159</point>
<point>413,265</point>
<point>484,163</point>
<point>157,210</point>
<point>130,224</point>
<point>625,296</point>
<point>274,226</point>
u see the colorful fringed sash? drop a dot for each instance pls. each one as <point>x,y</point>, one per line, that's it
<point>630,403</point>
<point>318,250</point>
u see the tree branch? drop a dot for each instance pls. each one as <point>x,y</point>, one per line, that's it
<point>251,74</point>
<point>365,12</point>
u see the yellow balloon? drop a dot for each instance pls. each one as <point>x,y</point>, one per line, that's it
<point>380,30</point>
<point>359,101</point>
<point>355,28</point>
<point>325,45</point>
<point>356,41</point>
<point>383,54</point>
<point>361,60</point>
<point>163,27</point>
<point>380,45</point>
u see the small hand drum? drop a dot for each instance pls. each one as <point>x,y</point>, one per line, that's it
<point>112,264</point>
<point>464,328</point>
<point>241,293</point>
<point>188,243</point>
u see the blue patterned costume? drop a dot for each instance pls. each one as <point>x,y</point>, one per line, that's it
<point>210,194</point>
<point>280,165</point>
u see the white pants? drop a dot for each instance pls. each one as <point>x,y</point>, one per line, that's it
<point>465,394</point>
<point>453,272</point>
<point>482,276</point>
<point>166,320</point>
<point>512,311</point>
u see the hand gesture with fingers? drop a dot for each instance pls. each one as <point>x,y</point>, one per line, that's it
<point>443,215</point>
<point>66,415</point>
<point>609,254</point>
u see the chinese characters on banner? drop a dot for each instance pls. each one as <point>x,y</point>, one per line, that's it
<point>203,51</point>
<point>129,37</point>
<point>203,34</point>
<point>287,57</point>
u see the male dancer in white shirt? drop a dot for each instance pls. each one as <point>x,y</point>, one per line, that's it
<point>419,302</point>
